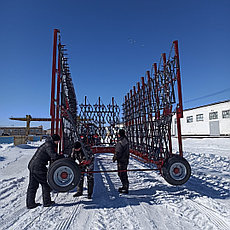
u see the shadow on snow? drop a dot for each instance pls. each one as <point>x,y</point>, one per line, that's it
<point>157,193</point>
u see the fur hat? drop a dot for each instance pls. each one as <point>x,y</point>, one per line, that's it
<point>121,132</point>
<point>77,145</point>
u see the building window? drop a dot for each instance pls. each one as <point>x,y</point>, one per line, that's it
<point>226,114</point>
<point>213,115</point>
<point>199,117</point>
<point>189,119</point>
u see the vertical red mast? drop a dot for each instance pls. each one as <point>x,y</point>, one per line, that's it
<point>52,105</point>
<point>179,109</point>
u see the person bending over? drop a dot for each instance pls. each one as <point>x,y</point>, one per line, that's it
<point>38,172</point>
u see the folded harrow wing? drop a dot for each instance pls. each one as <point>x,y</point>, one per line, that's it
<point>147,118</point>
<point>148,111</point>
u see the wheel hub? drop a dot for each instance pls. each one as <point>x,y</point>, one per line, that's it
<point>64,175</point>
<point>178,171</point>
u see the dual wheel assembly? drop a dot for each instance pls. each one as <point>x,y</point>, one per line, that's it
<point>64,174</point>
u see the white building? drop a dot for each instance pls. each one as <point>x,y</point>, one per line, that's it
<point>206,120</point>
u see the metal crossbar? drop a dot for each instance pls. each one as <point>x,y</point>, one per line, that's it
<point>127,170</point>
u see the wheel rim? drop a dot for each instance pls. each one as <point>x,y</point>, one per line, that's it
<point>178,171</point>
<point>63,176</point>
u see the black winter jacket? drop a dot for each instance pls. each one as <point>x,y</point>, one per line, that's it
<point>122,150</point>
<point>42,156</point>
<point>80,156</point>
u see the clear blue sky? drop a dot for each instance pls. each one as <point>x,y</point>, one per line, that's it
<point>103,59</point>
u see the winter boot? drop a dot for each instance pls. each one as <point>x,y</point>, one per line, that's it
<point>120,189</point>
<point>49,204</point>
<point>35,205</point>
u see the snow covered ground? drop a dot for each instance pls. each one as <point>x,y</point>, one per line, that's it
<point>202,203</point>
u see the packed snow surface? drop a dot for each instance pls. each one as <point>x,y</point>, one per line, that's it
<point>201,203</point>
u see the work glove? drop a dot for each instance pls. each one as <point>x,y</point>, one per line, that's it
<point>85,162</point>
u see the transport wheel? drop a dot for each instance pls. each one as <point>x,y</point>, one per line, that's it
<point>176,170</point>
<point>63,175</point>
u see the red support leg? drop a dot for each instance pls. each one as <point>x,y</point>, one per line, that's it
<point>58,95</point>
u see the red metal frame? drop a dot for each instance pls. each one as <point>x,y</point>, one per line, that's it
<point>179,109</point>
<point>55,104</point>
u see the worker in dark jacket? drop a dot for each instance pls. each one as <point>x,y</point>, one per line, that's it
<point>38,172</point>
<point>86,165</point>
<point>122,157</point>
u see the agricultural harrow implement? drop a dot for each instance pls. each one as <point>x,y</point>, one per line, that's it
<point>146,116</point>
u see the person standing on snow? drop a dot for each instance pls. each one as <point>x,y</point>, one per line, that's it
<point>38,172</point>
<point>85,166</point>
<point>122,157</point>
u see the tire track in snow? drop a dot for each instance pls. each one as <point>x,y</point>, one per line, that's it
<point>53,214</point>
<point>141,210</point>
<point>120,210</point>
<point>65,224</point>
<point>108,210</point>
<point>22,215</point>
<point>167,194</point>
<point>34,218</point>
<point>13,219</point>
<point>29,225</point>
<point>9,186</point>
<point>10,200</point>
<point>198,208</point>
<point>211,215</point>
<point>115,218</point>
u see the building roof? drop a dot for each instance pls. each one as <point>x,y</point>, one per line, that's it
<point>23,127</point>
<point>215,103</point>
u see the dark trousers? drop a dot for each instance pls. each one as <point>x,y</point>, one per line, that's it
<point>123,175</point>
<point>34,180</point>
<point>90,179</point>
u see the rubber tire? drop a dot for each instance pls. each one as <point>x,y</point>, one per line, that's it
<point>70,165</point>
<point>168,166</point>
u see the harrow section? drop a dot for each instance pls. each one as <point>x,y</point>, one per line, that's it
<point>148,110</point>
<point>63,109</point>
<point>98,123</point>
<point>95,124</point>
